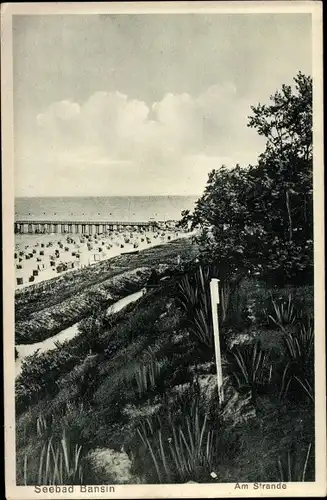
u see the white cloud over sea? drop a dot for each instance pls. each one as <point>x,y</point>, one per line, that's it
<point>171,145</point>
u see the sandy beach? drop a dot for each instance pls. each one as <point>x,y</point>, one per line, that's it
<point>40,257</point>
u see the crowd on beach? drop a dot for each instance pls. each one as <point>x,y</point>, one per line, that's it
<point>40,257</point>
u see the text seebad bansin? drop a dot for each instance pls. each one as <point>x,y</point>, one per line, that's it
<point>75,489</point>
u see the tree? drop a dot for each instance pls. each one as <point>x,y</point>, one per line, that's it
<point>225,223</point>
<point>259,219</point>
<point>282,201</point>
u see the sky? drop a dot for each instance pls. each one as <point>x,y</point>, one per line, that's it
<point>126,104</point>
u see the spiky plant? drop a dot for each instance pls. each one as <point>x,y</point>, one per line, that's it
<point>307,387</point>
<point>299,371</point>
<point>251,367</point>
<point>300,344</point>
<point>146,373</point>
<point>41,426</point>
<point>58,463</point>
<point>188,294</point>
<point>294,468</point>
<point>283,312</point>
<point>202,328</point>
<point>190,446</point>
<point>194,299</point>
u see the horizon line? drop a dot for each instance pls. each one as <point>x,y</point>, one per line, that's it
<point>111,196</point>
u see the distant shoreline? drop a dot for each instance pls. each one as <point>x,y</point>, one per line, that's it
<point>103,209</point>
<point>110,196</point>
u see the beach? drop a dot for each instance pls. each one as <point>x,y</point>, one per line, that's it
<point>40,257</point>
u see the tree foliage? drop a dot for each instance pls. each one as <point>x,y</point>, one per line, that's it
<point>259,219</point>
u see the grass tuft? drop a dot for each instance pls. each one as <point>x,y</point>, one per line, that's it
<point>251,368</point>
<point>299,370</point>
<point>147,373</point>
<point>59,463</point>
<point>283,312</point>
<point>185,450</point>
<point>293,467</point>
<point>194,299</point>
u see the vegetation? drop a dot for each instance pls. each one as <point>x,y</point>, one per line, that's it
<point>181,436</point>
<point>41,295</point>
<point>40,374</point>
<point>56,457</point>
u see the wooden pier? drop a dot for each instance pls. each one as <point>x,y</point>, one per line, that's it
<point>80,227</point>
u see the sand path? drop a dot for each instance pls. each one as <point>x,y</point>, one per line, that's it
<point>67,334</point>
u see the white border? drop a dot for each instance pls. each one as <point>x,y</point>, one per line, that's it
<point>314,489</point>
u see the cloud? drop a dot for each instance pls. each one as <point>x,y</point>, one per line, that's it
<point>63,110</point>
<point>179,124</point>
<point>164,142</point>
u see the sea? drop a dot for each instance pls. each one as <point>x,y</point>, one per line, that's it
<point>109,208</point>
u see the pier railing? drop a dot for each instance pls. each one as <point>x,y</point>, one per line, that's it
<point>83,227</point>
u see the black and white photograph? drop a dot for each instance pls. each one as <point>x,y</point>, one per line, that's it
<point>163,222</point>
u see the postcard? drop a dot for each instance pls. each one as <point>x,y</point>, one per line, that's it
<point>163,217</point>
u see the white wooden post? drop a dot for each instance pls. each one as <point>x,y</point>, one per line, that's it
<point>214,292</point>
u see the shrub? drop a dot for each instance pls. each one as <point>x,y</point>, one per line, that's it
<point>40,373</point>
<point>237,306</point>
<point>90,331</point>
